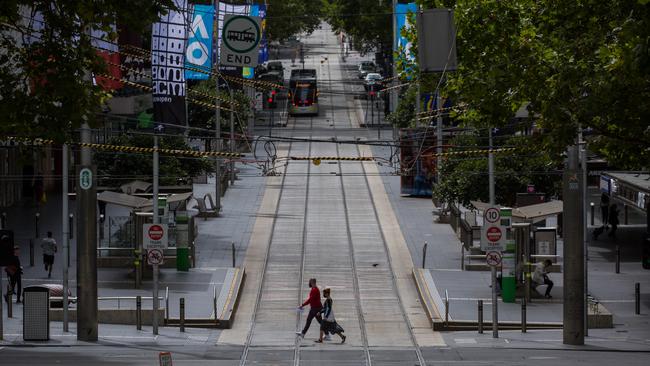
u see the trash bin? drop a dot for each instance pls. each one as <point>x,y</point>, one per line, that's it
<point>36,313</point>
<point>182,244</point>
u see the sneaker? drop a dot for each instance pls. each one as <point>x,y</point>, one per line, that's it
<point>328,337</point>
<point>318,341</point>
<point>344,338</point>
<point>548,296</point>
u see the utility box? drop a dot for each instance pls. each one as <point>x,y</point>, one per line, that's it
<point>36,313</point>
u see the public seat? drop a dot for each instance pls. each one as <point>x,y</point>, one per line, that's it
<point>204,211</point>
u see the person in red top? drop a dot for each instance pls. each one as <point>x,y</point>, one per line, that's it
<point>315,306</point>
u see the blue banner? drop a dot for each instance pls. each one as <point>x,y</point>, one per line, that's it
<point>199,43</point>
<point>402,45</point>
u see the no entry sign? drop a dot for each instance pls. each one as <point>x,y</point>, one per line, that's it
<point>493,234</point>
<point>154,236</point>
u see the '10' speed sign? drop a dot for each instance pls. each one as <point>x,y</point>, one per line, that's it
<point>492,233</point>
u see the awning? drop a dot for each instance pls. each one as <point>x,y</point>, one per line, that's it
<point>137,186</point>
<point>179,197</point>
<point>122,199</point>
<point>538,211</point>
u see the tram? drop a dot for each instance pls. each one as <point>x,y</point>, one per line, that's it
<point>303,93</point>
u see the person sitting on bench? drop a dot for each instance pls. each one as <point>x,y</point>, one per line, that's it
<point>540,277</point>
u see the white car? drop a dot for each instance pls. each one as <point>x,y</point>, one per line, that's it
<point>373,79</point>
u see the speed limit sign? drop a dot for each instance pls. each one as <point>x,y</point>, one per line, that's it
<point>492,215</point>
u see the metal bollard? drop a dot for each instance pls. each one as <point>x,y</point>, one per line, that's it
<point>10,294</point>
<point>71,226</point>
<point>182,320</point>
<point>37,232</point>
<point>618,259</point>
<point>591,204</point>
<point>31,252</point>
<point>480,317</point>
<point>138,312</point>
<point>3,220</point>
<point>523,315</point>
<point>233,254</point>
<point>637,298</point>
<point>446,308</point>
<point>625,213</point>
<point>214,303</point>
<point>424,254</point>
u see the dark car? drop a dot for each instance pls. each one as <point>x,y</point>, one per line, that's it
<point>276,66</point>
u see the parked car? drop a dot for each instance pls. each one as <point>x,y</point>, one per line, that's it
<point>374,81</point>
<point>366,67</point>
<point>276,66</point>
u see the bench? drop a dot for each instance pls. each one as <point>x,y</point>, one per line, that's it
<point>204,211</point>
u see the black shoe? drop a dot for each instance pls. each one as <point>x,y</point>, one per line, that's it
<point>548,296</point>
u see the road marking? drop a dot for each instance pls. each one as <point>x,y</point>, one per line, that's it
<point>465,340</point>
<point>542,358</point>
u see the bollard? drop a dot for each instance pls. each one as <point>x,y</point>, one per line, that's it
<point>182,320</point>
<point>523,315</point>
<point>37,232</point>
<point>233,254</point>
<point>3,221</point>
<point>480,317</point>
<point>625,213</point>
<point>618,259</point>
<point>214,303</point>
<point>71,226</point>
<point>424,253</point>
<point>138,312</point>
<point>10,294</point>
<point>637,298</point>
<point>31,252</point>
<point>591,204</point>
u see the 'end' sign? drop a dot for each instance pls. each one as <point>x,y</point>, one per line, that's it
<point>154,236</point>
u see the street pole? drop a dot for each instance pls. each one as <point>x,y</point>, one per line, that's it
<point>417,105</point>
<point>438,138</point>
<point>217,160</point>
<point>574,285</point>
<point>156,220</point>
<point>495,300</point>
<point>87,321</point>
<point>66,231</point>
<point>232,136</point>
<point>583,159</point>
<point>393,92</point>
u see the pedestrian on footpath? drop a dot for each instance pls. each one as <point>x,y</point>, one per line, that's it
<point>14,272</point>
<point>604,209</point>
<point>329,324</point>
<point>315,306</point>
<point>613,220</point>
<point>540,276</point>
<point>49,249</point>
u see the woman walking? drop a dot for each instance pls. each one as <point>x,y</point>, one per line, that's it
<point>329,324</point>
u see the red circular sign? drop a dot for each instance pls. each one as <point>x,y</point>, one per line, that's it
<point>493,234</point>
<point>156,232</point>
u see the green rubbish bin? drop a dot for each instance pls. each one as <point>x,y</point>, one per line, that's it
<point>508,277</point>
<point>182,245</point>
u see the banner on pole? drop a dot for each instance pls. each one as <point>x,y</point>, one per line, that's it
<point>198,54</point>
<point>167,66</point>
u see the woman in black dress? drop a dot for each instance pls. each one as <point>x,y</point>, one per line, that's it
<point>329,324</point>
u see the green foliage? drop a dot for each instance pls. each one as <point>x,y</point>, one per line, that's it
<point>115,169</point>
<point>291,17</point>
<point>368,22</point>
<point>46,84</point>
<point>465,178</point>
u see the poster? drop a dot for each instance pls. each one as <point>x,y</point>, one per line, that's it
<point>198,54</point>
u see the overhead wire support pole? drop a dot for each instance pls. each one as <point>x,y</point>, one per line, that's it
<point>156,220</point>
<point>495,300</point>
<point>66,231</point>
<point>232,136</point>
<point>583,161</point>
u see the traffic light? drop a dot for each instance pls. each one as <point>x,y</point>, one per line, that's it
<point>272,103</point>
<point>6,246</point>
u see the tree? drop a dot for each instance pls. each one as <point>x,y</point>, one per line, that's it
<point>368,22</point>
<point>45,75</point>
<point>286,18</point>
<point>115,169</point>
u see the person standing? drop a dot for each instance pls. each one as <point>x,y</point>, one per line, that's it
<point>14,273</point>
<point>315,306</point>
<point>540,276</point>
<point>604,209</point>
<point>49,249</point>
<point>613,219</point>
<point>329,324</point>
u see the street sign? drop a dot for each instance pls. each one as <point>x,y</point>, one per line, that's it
<point>492,215</point>
<point>240,40</point>
<point>155,256</point>
<point>493,258</point>
<point>85,178</point>
<point>165,358</point>
<point>493,236</point>
<point>154,236</point>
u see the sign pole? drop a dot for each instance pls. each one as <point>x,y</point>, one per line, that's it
<point>495,310</point>
<point>66,232</point>
<point>156,220</point>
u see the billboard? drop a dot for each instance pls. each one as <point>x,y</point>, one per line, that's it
<point>198,54</point>
<point>168,66</point>
<point>418,161</point>
<point>402,45</point>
